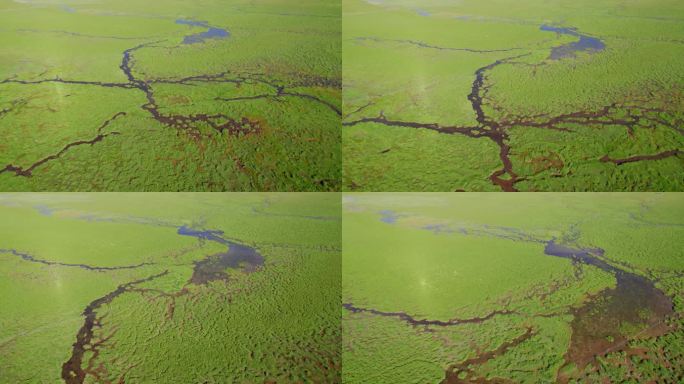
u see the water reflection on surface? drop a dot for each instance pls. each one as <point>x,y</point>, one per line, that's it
<point>210,33</point>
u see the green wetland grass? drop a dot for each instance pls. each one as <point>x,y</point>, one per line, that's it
<point>121,95</point>
<point>485,96</point>
<point>524,288</point>
<point>170,288</point>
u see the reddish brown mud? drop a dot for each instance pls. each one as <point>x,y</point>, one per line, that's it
<point>497,130</point>
<point>33,259</point>
<point>607,320</point>
<point>72,370</point>
<point>238,256</point>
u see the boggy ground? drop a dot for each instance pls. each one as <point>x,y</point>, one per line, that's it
<point>478,96</point>
<point>531,288</point>
<point>120,95</point>
<point>172,288</point>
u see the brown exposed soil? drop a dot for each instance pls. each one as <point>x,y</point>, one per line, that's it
<point>607,320</point>
<point>542,163</point>
<point>72,370</point>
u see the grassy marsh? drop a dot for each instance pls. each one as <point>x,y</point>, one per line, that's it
<point>526,288</point>
<point>170,288</point>
<point>484,96</point>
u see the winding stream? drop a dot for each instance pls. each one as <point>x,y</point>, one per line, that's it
<point>211,33</point>
<point>72,370</point>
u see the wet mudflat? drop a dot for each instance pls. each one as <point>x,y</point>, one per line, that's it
<point>606,321</point>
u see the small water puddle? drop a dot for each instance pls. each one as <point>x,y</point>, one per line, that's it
<point>585,43</point>
<point>211,33</point>
<point>214,267</point>
<point>388,217</point>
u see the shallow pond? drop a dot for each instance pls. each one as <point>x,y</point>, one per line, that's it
<point>585,43</point>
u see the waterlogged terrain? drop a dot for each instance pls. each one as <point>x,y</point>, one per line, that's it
<point>475,95</point>
<point>170,95</point>
<point>520,288</point>
<point>182,288</point>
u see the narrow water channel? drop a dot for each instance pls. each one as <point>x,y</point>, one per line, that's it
<point>585,43</point>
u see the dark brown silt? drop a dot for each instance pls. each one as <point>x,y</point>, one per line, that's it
<point>605,321</point>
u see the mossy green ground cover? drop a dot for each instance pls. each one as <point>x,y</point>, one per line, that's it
<point>109,95</point>
<point>474,95</point>
<point>61,254</point>
<point>460,288</point>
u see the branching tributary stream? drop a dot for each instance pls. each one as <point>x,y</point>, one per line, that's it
<point>213,267</point>
<point>603,323</point>
<point>72,370</point>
